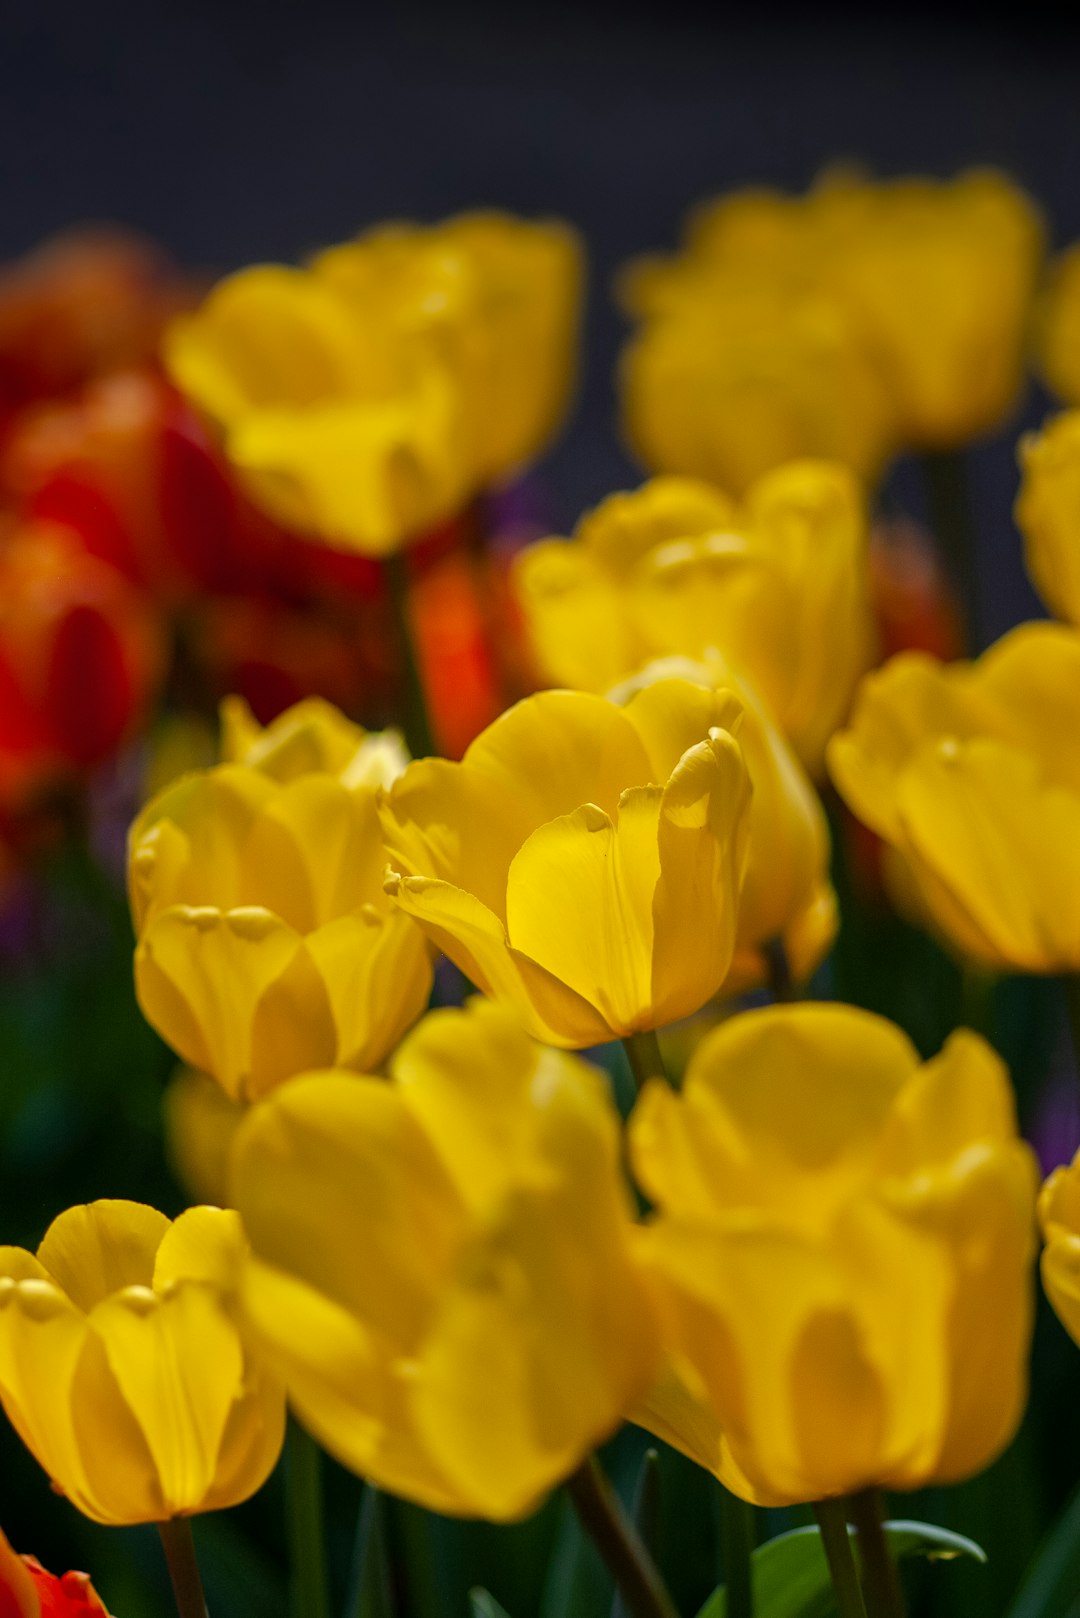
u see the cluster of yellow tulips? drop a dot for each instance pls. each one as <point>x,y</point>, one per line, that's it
<point>808,1262</point>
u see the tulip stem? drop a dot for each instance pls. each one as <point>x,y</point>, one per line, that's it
<point>416,721</point>
<point>948,495</point>
<point>832,1522</point>
<point>615,1537</point>
<point>179,1547</point>
<point>779,967</point>
<point>884,1598</point>
<point>643,1053</point>
<point>737,1544</point>
<point>308,1596</point>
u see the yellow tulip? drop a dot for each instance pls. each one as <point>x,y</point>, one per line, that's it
<point>787,896</point>
<point>496,1326</point>
<point>1059,1216</point>
<point>1057,327</point>
<point>122,1368</point>
<point>371,395</point>
<point>1048,512</point>
<point>971,773</point>
<point>312,737</point>
<point>200,1122</point>
<point>778,586</point>
<point>267,945</point>
<point>844,1241</point>
<point>583,862</point>
<point>941,278</point>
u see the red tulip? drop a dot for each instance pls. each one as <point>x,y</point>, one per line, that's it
<point>27,1591</point>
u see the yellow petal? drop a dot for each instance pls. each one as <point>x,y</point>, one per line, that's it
<point>200,1122</point>
<point>178,1363</point>
<point>328,1155</point>
<point>314,853</point>
<point>702,833</point>
<point>624,527</point>
<point>559,750</point>
<point>576,619</point>
<point>203,1244</point>
<point>1002,846</point>
<point>101,1247</point>
<point>377,972</point>
<point>475,940</point>
<point>1031,677</point>
<point>580,899</point>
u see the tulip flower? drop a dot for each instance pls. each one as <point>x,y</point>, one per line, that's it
<point>1048,512</point>
<point>267,945</point>
<point>787,897</point>
<point>1057,327</point>
<point>1059,1216</point>
<point>370,396</point>
<point>968,772</point>
<point>28,1591</point>
<point>497,1327</point>
<point>200,1122</point>
<point>122,1368</point>
<point>583,862</point>
<point>779,586</point>
<point>80,658</point>
<point>844,1242</point>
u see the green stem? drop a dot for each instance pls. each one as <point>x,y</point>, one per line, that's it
<point>308,1596</point>
<point>416,721</point>
<point>615,1537</point>
<point>179,1549</point>
<point>780,981</point>
<point>837,1542</point>
<point>953,522</point>
<point>643,1054</point>
<point>737,1542</point>
<point>884,1598</point>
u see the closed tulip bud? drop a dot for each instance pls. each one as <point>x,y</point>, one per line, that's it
<point>786,895</point>
<point>968,771</point>
<point>778,586</point>
<point>28,1591</point>
<point>498,1326</point>
<point>266,942</point>
<point>844,1242</point>
<point>941,278</point>
<point>122,1367</point>
<point>80,658</point>
<point>1048,512</point>
<point>370,396</point>
<point>583,862</point>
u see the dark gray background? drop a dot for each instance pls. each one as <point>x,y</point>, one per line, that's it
<point>234,130</point>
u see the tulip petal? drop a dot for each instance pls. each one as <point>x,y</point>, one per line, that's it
<point>575,616</point>
<point>475,940</point>
<point>314,853</point>
<point>1032,677</point>
<point>203,976</point>
<point>18,1596</point>
<point>357,1141</point>
<point>178,1363</point>
<point>377,971</point>
<point>193,833</point>
<point>560,749</point>
<point>1000,843</point>
<point>702,845</point>
<point>100,1247</point>
<point>203,1244</point>
<point>579,902</point>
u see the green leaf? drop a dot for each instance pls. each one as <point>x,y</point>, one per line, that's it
<point>1051,1586</point>
<point>369,1583</point>
<point>644,1513</point>
<point>483,1605</point>
<point>791,1575</point>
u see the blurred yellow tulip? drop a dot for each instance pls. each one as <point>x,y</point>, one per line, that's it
<point>971,772</point>
<point>584,860</point>
<point>496,1326</point>
<point>778,586</point>
<point>122,1368</point>
<point>844,1241</point>
<point>371,395</point>
<point>200,1122</point>
<point>1059,1216</point>
<point>847,323</point>
<point>267,944</point>
<point>1048,512</point>
<point>1057,327</point>
<point>311,738</point>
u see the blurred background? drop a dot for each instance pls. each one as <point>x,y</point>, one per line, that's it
<point>232,131</point>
